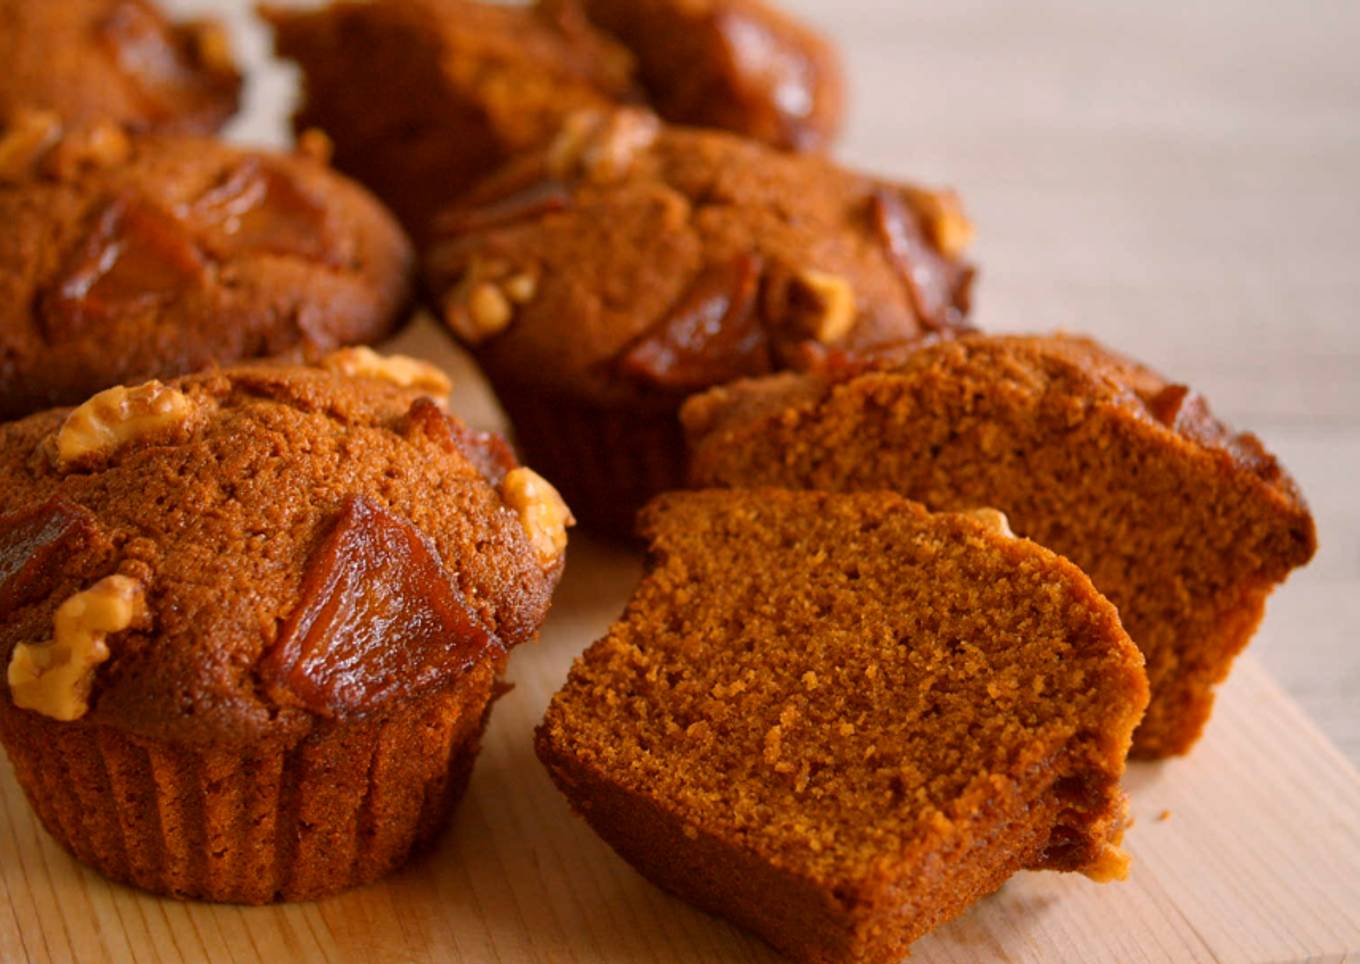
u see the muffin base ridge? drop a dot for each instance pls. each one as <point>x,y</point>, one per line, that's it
<point>345,806</point>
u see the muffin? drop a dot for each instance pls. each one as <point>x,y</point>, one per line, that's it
<point>1183,524</point>
<point>253,620</point>
<point>839,720</point>
<point>115,60</point>
<point>448,89</point>
<point>740,65</point>
<point>603,280</point>
<point>128,257</point>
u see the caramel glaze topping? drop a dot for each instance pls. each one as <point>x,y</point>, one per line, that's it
<point>938,287</point>
<point>33,545</point>
<point>379,618</point>
<point>711,334</point>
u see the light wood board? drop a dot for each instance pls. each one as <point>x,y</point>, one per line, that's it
<point>1248,850</point>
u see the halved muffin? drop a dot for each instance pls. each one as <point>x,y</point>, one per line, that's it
<point>1183,524</point>
<point>838,720</point>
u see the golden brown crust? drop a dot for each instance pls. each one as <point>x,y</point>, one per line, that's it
<point>666,260</point>
<point>740,65</point>
<point>838,719</point>
<point>449,89</point>
<point>115,60</point>
<point>130,258</point>
<point>1185,525</point>
<point>630,228</point>
<point>239,519</point>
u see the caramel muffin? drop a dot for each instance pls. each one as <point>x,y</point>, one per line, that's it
<point>128,257</point>
<point>447,90</point>
<point>254,620</point>
<point>838,720</point>
<point>115,60</point>
<point>1183,524</point>
<point>734,64</point>
<point>602,281</point>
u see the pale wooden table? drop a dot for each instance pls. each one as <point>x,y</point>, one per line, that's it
<point>1179,179</point>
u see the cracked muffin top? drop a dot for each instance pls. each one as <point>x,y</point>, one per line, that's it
<point>116,60</point>
<point>630,261</point>
<point>134,256</point>
<point>739,65</point>
<point>237,555</point>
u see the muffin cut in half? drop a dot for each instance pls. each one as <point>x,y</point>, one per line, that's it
<point>253,621</point>
<point>741,65</point>
<point>127,257</point>
<point>1185,526</point>
<point>602,281</point>
<point>838,720</point>
<point>118,61</point>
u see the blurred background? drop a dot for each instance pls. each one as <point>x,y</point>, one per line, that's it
<point>1179,179</point>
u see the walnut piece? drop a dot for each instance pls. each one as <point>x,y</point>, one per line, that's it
<point>541,511</point>
<point>29,135</point>
<point>118,416</point>
<point>823,304</point>
<point>400,370</point>
<point>601,146</point>
<point>55,678</point>
<point>993,519</point>
<point>948,226</point>
<point>212,46</point>
<point>482,304</point>
<point>315,144</point>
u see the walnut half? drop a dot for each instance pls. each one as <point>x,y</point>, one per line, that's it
<point>541,510</point>
<point>55,678</point>
<point>400,370</point>
<point>117,417</point>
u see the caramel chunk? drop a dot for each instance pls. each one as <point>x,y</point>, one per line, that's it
<point>711,335</point>
<point>258,207</point>
<point>930,278</point>
<point>55,678</point>
<point>117,417</point>
<point>522,204</point>
<point>33,544</point>
<point>137,257</point>
<point>542,512</point>
<point>378,617</point>
<point>490,453</point>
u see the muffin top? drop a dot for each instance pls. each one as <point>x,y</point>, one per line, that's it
<point>240,555</point>
<point>134,256</point>
<point>117,60</point>
<point>740,65</point>
<point>451,88</point>
<point>631,262</point>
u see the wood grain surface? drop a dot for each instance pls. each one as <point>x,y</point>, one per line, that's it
<point>1180,179</point>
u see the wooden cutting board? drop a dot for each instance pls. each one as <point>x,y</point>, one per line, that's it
<point>1248,850</point>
